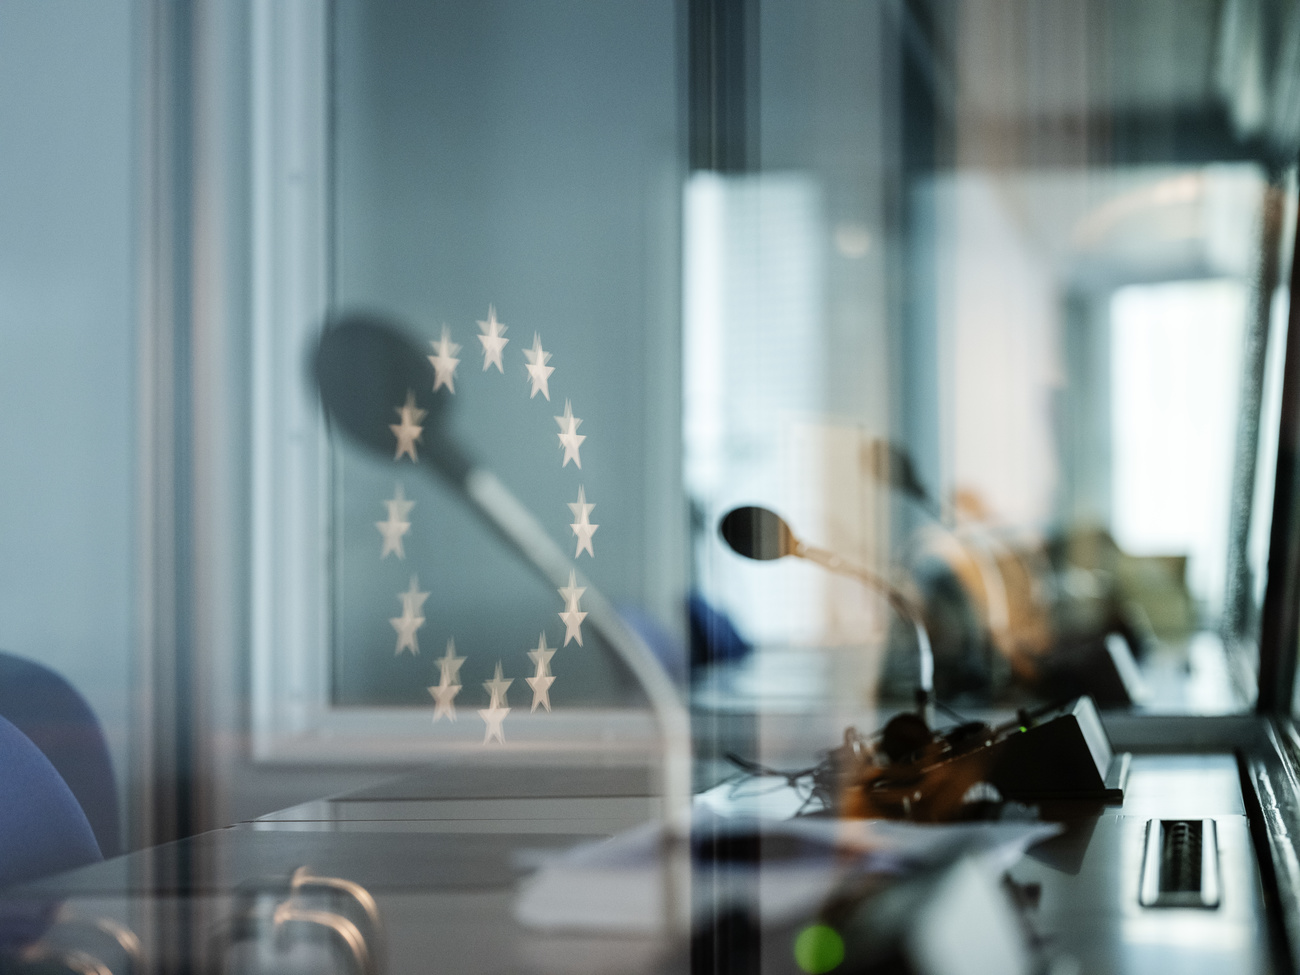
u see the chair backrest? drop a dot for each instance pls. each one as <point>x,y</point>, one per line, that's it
<point>58,721</point>
<point>42,827</point>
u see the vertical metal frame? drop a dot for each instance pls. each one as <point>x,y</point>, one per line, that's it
<point>163,755</point>
<point>1238,597</point>
<point>190,456</point>
<point>1279,637</point>
<point>289,537</point>
<point>722,85</point>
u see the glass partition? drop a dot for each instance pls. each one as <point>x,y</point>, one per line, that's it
<point>994,315</point>
<point>504,189</point>
<point>989,308</point>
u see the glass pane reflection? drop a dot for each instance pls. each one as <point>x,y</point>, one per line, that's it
<point>1005,325</point>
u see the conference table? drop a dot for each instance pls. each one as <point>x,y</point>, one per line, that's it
<point>426,872</point>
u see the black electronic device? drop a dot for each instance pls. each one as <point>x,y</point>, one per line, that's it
<point>907,771</point>
<point>1059,753</point>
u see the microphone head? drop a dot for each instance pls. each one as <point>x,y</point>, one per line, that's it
<point>757,533</point>
<point>892,465</point>
<point>365,365</point>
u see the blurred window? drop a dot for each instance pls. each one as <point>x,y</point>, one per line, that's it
<point>993,305</point>
<point>1175,369</point>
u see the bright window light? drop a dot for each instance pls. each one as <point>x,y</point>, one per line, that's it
<point>1175,362</point>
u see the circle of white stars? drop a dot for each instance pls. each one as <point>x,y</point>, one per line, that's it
<point>395,528</point>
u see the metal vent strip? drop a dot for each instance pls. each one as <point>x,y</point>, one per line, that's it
<point>1180,867</point>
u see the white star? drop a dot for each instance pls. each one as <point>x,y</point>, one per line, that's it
<point>493,718</point>
<point>570,438</point>
<point>542,655</point>
<point>572,592</point>
<point>409,430</point>
<point>538,371</point>
<point>541,685</point>
<point>410,620</point>
<point>495,713</point>
<point>572,616</point>
<point>494,340</point>
<point>445,362</point>
<point>497,687</point>
<point>450,664</point>
<point>572,621</point>
<point>583,528</point>
<point>406,627</point>
<point>396,526</point>
<point>444,700</point>
<point>444,692</point>
<point>413,599</point>
<point>542,680</point>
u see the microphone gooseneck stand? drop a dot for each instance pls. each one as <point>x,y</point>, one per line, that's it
<point>760,534</point>
<point>364,367</point>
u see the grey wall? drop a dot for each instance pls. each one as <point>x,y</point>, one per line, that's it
<point>66,345</point>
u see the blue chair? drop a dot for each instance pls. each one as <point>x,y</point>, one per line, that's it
<point>42,827</point>
<point>42,831</point>
<point>58,721</point>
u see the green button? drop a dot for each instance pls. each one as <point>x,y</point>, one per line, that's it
<point>818,948</point>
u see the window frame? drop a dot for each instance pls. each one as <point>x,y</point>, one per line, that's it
<point>1279,638</point>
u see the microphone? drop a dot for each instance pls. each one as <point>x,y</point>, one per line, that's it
<point>364,367</point>
<point>760,534</point>
<point>891,465</point>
